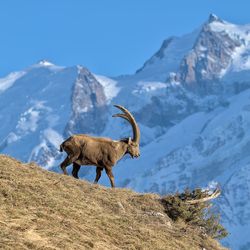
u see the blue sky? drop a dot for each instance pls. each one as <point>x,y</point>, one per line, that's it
<point>110,37</point>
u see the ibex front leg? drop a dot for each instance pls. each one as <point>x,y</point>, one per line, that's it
<point>69,160</point>
<point>110,175</point>
<point>76,168</point>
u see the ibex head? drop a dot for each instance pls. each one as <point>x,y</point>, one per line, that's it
<point>133,144</point>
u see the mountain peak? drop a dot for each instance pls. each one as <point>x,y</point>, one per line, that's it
<point>213,18</point>
<point>45,63</point>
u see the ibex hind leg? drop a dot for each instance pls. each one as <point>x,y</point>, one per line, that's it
<point>76,168</point>
<point>98,174</point>
<point>111,176</point>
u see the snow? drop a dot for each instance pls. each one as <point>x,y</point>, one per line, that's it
<point>241,59</point>
<point>53,137</point>
<point>202,48</point>
<point>37,113</point>
<point>240,33</point>
<point>203,72</point>
<point>9,80</point>
<point>48,65</point>
<point>45,63</point>
<point>111,89</point>
<point>234,31</point>
<point>28,120</point>
<point>158,69</point>
<point>143,87</point>
<point>151,86</point>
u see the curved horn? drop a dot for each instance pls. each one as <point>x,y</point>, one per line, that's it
<point>129,117</point>
<point>122,116</point>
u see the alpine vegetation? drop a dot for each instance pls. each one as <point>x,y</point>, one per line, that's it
<point>44,210</point>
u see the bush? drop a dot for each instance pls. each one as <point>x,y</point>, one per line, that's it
<point>198,214</point>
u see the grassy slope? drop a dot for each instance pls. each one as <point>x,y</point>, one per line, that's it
<point>45,210</point>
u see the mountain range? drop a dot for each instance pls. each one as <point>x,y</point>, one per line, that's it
<point>191,100</point>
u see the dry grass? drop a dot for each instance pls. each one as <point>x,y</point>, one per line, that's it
<point>44,210</point>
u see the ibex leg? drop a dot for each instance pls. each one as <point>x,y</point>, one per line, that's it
<point>111,176</point>
<point>69,160</point>
<point>76,168</point>
<point>98,174</point>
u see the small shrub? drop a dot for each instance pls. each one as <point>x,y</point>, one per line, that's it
<point>198,214</point>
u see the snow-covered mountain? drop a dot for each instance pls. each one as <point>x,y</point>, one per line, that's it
<point>191,100</point>
<point>44,103</point>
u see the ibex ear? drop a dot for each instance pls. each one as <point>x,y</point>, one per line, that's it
<point>129,140</point>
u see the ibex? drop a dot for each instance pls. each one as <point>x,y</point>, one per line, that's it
<point>101,152</point>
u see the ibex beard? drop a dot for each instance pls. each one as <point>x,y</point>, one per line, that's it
<point>101,152</point>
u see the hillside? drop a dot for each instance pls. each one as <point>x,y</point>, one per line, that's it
<point>45,210</point>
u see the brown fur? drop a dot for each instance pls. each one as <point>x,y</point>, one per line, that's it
<point>98,151</point>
